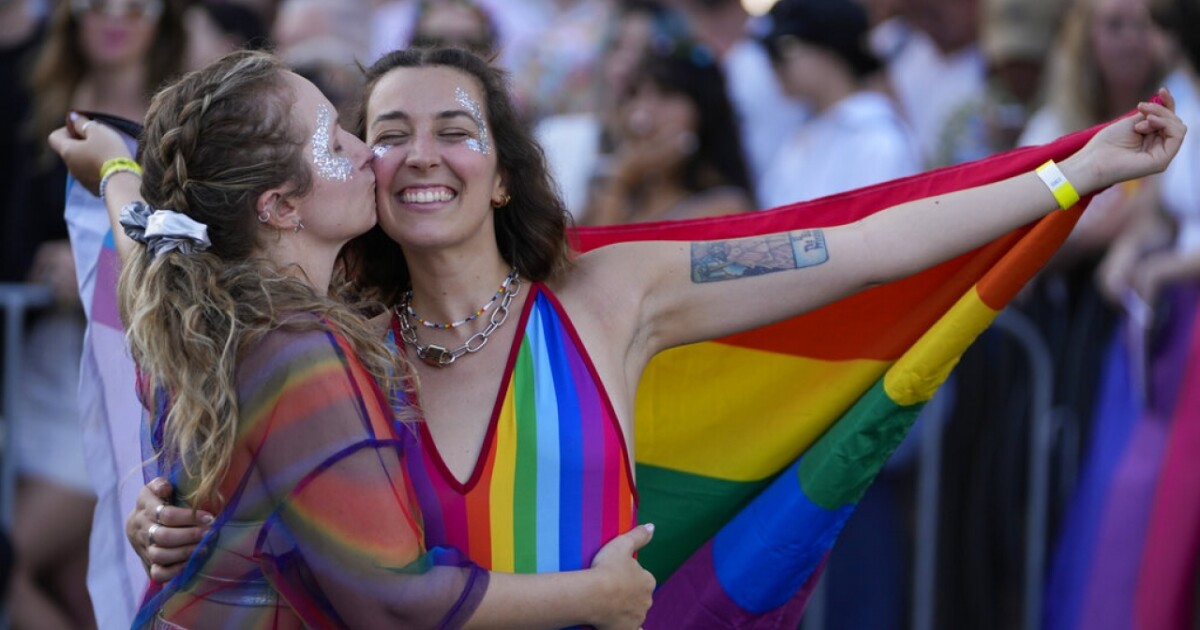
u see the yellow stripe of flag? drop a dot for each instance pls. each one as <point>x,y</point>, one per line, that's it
<point>712,383</point>
<point>924,367</point>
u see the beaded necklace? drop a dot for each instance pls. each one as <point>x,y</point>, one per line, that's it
<point>407,301</point>
<point>441,356</point>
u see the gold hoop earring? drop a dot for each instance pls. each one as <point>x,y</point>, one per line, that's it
<point>502,202</point>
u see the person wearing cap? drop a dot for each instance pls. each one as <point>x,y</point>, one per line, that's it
<point>1016,37</point>
<point>856,137</point>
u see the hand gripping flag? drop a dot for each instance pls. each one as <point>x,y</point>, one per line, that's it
<point>752,450</point>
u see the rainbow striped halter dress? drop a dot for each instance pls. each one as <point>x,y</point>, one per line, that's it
<point>553,481</point>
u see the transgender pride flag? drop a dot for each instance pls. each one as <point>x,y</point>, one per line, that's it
<point>752,450</point>
<point>110,413</point>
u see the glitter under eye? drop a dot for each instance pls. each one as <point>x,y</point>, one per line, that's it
<point>381,150</point>
<point>483,144</point>
<point>332,167</point>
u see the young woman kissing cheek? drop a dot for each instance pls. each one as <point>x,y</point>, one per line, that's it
<point>339,203</point>
<point>435,161</point>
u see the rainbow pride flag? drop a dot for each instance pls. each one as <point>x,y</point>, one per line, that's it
<point>753,450</point>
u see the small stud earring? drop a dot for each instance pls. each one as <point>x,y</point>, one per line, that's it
<point>299,226</point>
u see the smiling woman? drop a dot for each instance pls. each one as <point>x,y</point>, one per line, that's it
<point>447,193</point>
<point>523,450</point>
<point>526,441</point>
<point>267,395</point>
<point>422,121</point>
<point>526,444</point>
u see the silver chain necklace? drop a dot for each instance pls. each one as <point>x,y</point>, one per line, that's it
<point>440,356</point>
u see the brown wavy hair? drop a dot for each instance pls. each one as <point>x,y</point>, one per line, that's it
<point>531,231</point>
<point>61,64</point>
<point>213,143</point>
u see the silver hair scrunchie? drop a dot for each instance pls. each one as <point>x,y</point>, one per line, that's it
<point>163,230</point>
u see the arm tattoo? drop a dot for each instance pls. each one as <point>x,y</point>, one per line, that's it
<point>757,255</point>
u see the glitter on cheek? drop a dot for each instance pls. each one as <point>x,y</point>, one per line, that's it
<point>329,166</point>
<point>381,150</point>
<point>483,144</point>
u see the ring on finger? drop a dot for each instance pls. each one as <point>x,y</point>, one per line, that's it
<point>158,513</point>
<point>84,126</point>
<point>150,533</point>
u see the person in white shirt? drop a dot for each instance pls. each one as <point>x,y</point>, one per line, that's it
<point>934,64</point>
<point>856,136</point>
<point>766,116</point>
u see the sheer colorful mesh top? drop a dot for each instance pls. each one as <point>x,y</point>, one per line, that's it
<point>553,481</point>
<point>322,528</point>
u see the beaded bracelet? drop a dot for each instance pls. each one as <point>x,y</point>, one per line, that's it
<point>1059,185</point>
<point>114,166</point>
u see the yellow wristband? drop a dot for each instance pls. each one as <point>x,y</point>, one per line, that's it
<point>1059,186</point>
<point>114,164</point>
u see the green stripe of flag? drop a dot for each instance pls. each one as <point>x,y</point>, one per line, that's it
<point>837,469</point>
<point>686,510</point>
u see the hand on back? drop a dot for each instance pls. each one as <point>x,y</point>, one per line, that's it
<point>176,530</point>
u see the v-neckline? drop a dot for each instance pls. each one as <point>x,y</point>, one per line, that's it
<point>435,455</point>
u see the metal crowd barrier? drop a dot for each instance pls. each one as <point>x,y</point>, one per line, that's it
<point>17,300</point>
<point>1045,430</point>
<point>1042,430</point>
<point>934,419</point>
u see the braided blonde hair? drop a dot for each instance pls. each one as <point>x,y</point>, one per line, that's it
<point>213,143</point>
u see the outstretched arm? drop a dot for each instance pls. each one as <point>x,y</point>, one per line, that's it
<point>686,292</point>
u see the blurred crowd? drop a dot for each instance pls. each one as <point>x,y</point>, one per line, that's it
<point>681,109</point>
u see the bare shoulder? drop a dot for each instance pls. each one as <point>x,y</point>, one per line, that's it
<point>605,299</point>
<point>622,273</point>
<point>608,286</point>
